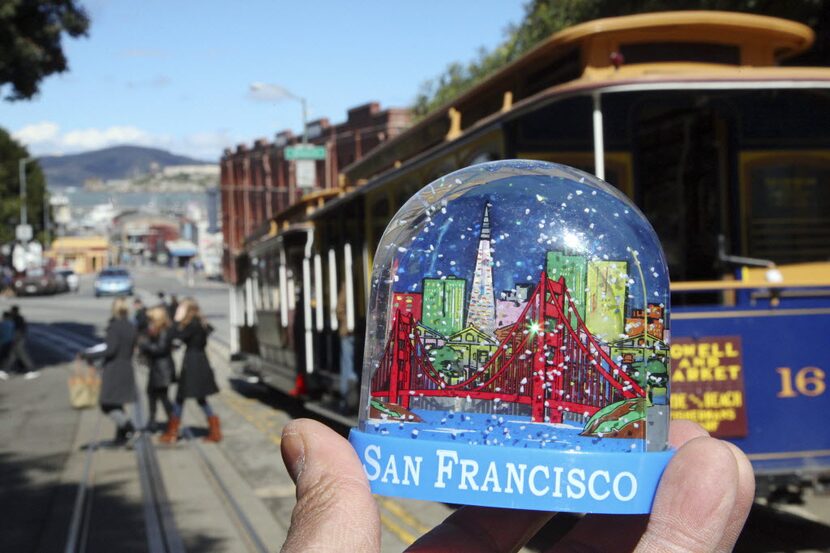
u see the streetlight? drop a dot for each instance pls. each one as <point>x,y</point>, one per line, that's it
<point>274,92</point>
<point>21,164</point>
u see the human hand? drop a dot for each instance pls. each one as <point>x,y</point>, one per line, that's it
<point>701,504</point>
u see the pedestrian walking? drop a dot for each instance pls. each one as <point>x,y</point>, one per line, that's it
<point>157,346</point>
<point>6,338</point>
<point>196,379</point>
<point>172,306</point>
<point>118,378</point>
<point>17,354</point>
<point>140,316</point>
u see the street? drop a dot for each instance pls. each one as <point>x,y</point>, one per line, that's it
<point>44,445</point>
<point>240,498</point>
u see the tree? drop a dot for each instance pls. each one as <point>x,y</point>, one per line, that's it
<point>11,152</point>
<point>446,359</point>
<point>30,41</point>
<point>545,17</point>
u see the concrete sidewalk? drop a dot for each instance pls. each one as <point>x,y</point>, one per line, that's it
<point>37,435</point>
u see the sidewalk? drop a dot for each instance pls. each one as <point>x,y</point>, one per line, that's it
<point>37,435</point>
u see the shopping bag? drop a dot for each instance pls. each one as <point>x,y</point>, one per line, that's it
<point>84,385</point>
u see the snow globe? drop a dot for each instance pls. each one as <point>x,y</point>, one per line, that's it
<point>517,345</point>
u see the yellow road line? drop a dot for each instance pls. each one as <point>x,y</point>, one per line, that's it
<point>400,511</point>
<point>405,537</point>
<point>258,420</point>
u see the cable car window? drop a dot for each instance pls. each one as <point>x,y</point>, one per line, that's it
<point>563,126</point>
<point>788,206</point>
<point>561,70</point>
<point>381,208</point>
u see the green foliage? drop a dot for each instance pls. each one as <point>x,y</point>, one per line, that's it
<point>545,17</point>
<point>10,155</point>
<point>445,359</point>
<point>30,41</point>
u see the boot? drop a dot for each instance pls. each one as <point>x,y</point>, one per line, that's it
<point>151,424</point>
<point>171,435</point>
<point>123,434</point>
<point>214,432</point>
<point>120,436</point>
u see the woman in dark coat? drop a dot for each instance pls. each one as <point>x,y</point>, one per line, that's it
<point>196,378</point>
<point>157,346</point>
<point>118,378</point>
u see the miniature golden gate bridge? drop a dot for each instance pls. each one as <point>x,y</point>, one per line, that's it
<point>549,361</point>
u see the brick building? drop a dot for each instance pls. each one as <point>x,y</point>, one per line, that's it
<point>258,182</point>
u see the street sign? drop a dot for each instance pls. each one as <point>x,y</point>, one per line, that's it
<point>23,232</point>
<point>19,258</point>
<point>305,151</point>
<point>306,173</point>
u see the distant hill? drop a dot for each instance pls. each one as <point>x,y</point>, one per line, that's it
<point>119,162</point>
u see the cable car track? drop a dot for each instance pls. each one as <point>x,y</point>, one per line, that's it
<point>240,519</point>
<point>161,531</point>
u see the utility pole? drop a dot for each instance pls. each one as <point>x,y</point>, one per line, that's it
<point>305,119</point>
<point>45,218</point>
<point>22,170</point>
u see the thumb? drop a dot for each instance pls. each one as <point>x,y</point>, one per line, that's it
<point>335,510</point>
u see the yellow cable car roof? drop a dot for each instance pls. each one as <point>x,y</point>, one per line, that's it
<point>785,38</point>
<point>762,42</point>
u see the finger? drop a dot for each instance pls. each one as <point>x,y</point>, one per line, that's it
<point>482,530</point>
<point>695,499</point>
<point>743,500</point>
<point>335,510</point>
<point>611,533</point>
<point>681,431</point>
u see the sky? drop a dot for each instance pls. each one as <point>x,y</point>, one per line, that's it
<point>178,75</point>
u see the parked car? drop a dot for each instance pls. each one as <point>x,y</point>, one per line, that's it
<point>70,278</point>
<point>114,281</point>
<point>37,281</point>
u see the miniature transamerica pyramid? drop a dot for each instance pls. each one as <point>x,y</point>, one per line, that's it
<point>482,308</point>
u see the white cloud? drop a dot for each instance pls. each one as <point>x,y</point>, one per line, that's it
<point>266,92</point>
<point>93,139</point>
<point>47,138</point>
<point>39,132</point>
<point>204,145</point>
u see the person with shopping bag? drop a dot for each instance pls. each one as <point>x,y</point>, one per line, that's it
<point>157,345</point>
<point>118,377</point>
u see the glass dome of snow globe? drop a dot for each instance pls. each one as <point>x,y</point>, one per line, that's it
<point>517,345</point>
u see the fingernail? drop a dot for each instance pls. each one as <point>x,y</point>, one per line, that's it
<point>293,452</point>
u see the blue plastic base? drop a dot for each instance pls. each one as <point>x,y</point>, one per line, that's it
<point>516,478</point>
